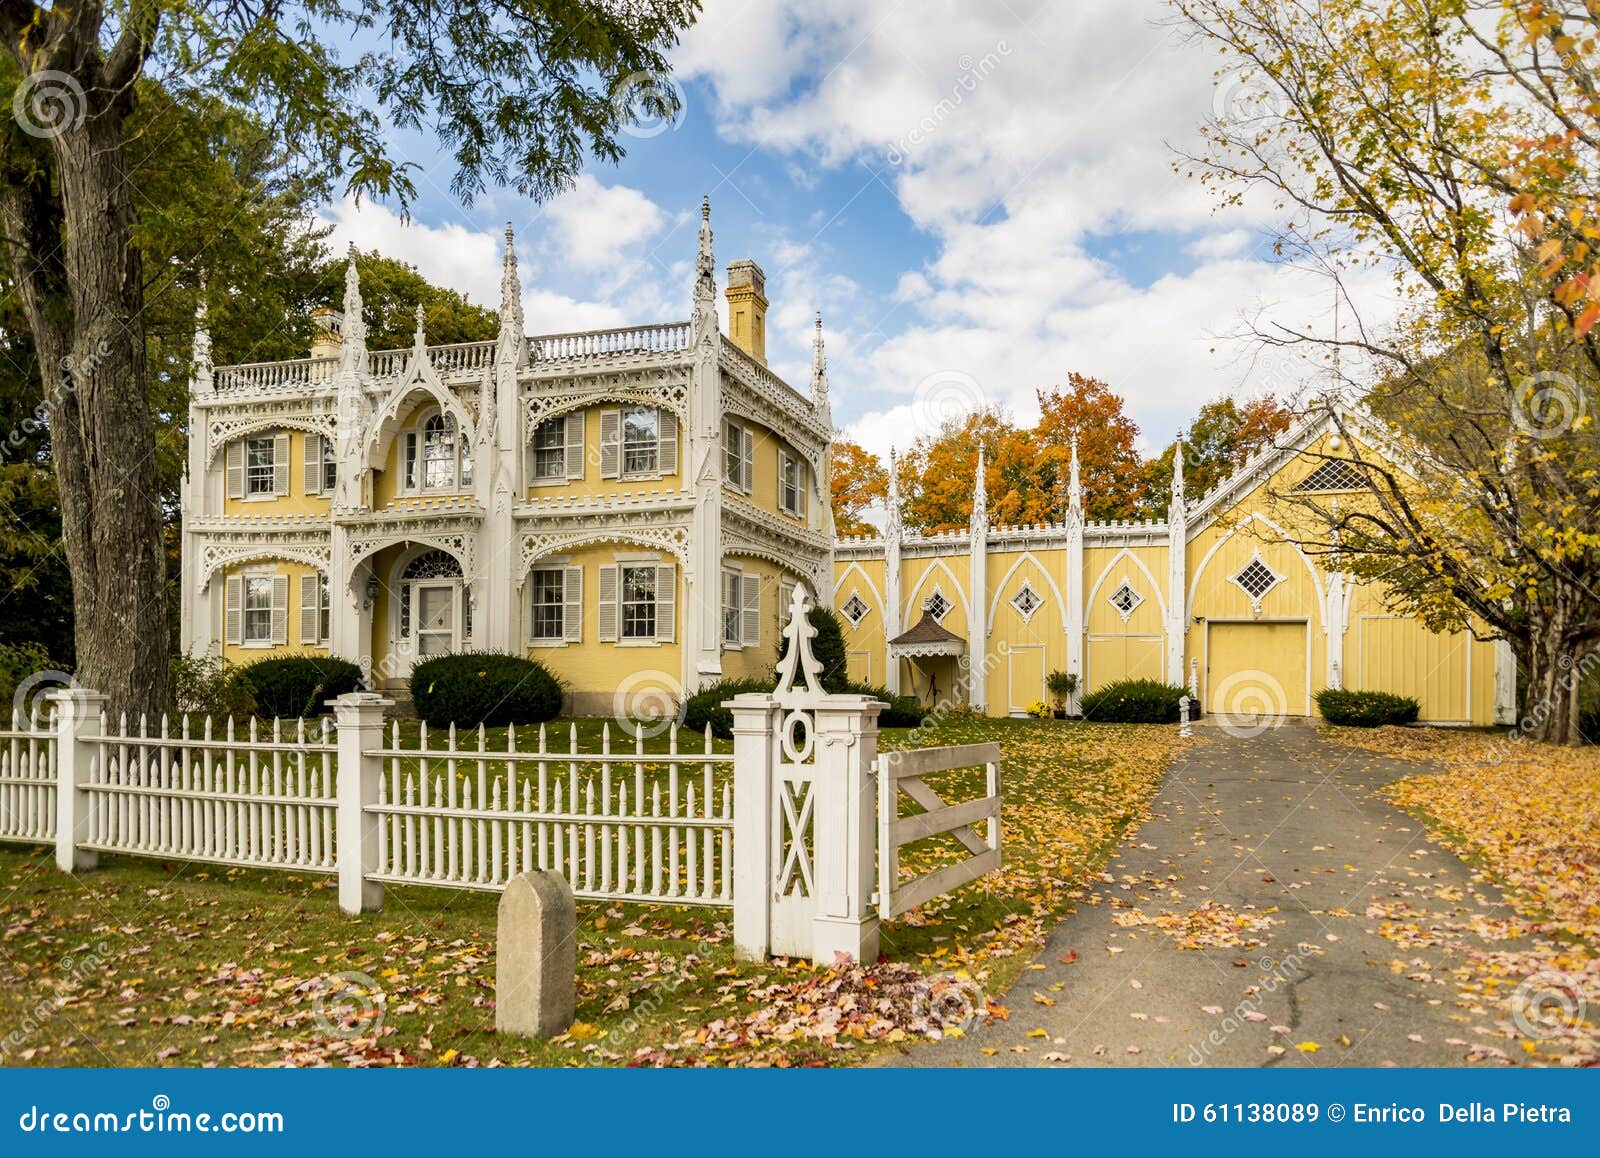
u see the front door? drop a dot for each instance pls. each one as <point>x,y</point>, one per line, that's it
<point>431,622</point>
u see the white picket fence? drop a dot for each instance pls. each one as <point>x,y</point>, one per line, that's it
<point>784,830</point>
<point>28,781</point>
<point>256,800</point>
<point>619,825</point>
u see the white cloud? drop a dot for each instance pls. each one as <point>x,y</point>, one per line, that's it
<point>596,227</point>
<point>467,260</point>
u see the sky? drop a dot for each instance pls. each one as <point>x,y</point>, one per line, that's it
<point>980,197</point>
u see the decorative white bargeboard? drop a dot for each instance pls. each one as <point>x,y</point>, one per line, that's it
<point>903,773</point>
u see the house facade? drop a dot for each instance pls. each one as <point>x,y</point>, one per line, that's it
<point>630,506</point>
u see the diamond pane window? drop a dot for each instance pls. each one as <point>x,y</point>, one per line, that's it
<point>937,606</point>
<point>1125,599</point>
<point>1334,475</point>
<point>1257,579</point>
<point>1027,601</point>
<point>855,609</point>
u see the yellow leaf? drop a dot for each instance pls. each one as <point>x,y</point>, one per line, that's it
<point>1308,1047</point>
<point>1037,1033</point>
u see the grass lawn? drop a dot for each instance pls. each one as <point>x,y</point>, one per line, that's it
<point>144,962</point>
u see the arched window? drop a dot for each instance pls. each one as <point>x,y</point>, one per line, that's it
<point>435,456</point>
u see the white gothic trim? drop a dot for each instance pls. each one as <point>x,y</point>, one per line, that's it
<point>1161,601</point>
<point>1283,537</point>
<point>1000,589</point>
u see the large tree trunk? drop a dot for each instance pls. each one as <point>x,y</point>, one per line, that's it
<point>102,433</point>
<point>1554,665</point>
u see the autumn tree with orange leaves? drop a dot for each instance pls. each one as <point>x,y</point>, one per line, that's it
<point>858,480</point>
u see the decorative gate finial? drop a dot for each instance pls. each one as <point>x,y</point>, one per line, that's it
<point>799,661</point>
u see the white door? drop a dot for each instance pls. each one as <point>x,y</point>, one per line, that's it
<point>434,620</point>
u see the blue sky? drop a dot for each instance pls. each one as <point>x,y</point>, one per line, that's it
<point>980,197</point>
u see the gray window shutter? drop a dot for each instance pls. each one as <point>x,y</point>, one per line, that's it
<point>310,607</point>
<point>233,609</point>
<point>666,602</point>
<point>747,459</point>
<point>669,440</point>
<point>312,467</point>
<point>235,456</point>
<point>574,424</point>
<point>280,464</point>
<point>782,457</point>
<point>610,443</point>
<point>280,609</point>
<point>572,605</point>
<point>608,603</point>
<point>750,620</point>
<point>408,462</point>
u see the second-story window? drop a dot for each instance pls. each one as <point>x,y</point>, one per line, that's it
<point>259,466</point>
<point>791,484</point>
<point>638,442</point>
<point>738,456</point>
<point>641,440</point>
<point>550,449</point>
<point>435,456</point>
<point>330,466</point>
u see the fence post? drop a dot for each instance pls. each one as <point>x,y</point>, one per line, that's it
<point>78,729</point>
<point>1183,717</point>
<point>360,719</point>
<point>846,830</point>
<point>755,724</point>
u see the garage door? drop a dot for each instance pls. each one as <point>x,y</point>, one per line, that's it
<point>1256,669</point>
<point>1025,675</point>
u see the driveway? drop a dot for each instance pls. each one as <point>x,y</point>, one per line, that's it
<point>1239,927</point>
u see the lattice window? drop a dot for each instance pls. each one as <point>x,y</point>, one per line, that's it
<point>937,606</point>
<point>1334,475</point>
<point>855,609</point>
<point>1027,601</point>
<point>1125,599</point>
<point>1256,579</point>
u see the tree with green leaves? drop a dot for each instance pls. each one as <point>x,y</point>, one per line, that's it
<point>520,92</point>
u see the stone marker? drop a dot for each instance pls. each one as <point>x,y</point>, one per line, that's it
<point>536,956</point>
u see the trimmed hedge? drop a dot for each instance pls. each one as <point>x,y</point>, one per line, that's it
<point>827,646</point>
<point>1366,709</point>
<point>902,711</point>
<point>298,685</point>
<point>1134,702</point>
<point>705,706</point>
<point>484,687</point>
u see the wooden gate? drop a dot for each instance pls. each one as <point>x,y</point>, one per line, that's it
<point>904,772</point>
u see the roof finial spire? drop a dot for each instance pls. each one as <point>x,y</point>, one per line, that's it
<point>705,265</point>
<point>420,341</point>
<point>201,375</point>
<point>980,495</point>
<point>353,333</point>
<point>892,514</point>
<point>1175,505</point>
<point>819,365</point>
<point>1074,486</point>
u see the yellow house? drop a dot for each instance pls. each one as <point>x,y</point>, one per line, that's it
<point>629,506</point>
<point>1222,596</point>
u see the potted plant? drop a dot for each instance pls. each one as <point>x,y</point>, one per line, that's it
<point>1061,685</point>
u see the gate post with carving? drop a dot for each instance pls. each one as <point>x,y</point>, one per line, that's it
<point>755,747</point>
<point>846,833</point>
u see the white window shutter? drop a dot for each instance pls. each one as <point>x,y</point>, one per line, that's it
<point>233,610</point>
<point>608,603</point>
<point>280,464</point>
<point>408,462</point>
<point>610,443</point>
<point>802,478</point>
<point>310,607</point>
<point>750,620</point>
<point>280,609</point>
<point>572,605</point>
<point>666,602</point>
<point>747,459</point>
<point>235,457</point>
<point>669,440</point>
<point>312,467</point>
<point>782,458</point>
<point>574,424</point>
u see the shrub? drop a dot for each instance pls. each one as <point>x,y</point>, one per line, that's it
<point>297,685</point>
<point>18,661</point>
<point>1366,709</point>
<point>705,706</point>
<point>901,712</point>
<point>484,687</point>
<point>1134,702</point>
<point>206,687</point>
<point>1061,684</point>
<point>827,646</point>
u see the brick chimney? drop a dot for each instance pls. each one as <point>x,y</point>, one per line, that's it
<point>747,308</point>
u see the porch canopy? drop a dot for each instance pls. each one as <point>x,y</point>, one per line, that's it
<point>925,639</point>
